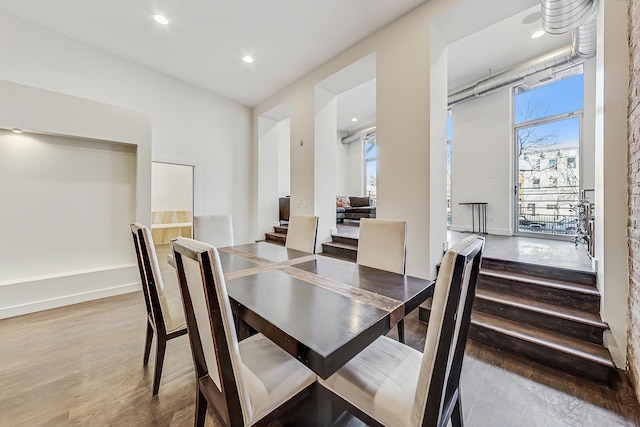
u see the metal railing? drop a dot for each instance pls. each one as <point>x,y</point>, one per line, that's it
<point>548,210</point>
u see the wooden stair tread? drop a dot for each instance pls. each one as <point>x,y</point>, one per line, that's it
<point>556,284</point>
<point>582,349</point>
<point>274,234</point>
<point>341,245</point>
<point>567,313</point>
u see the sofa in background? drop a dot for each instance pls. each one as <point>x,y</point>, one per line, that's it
<point>354,207</point>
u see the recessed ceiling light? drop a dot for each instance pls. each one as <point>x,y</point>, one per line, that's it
<point>247,59</point>
<point>537,34</point>
<point>16,130</point>
<point>355,119</point>
<point>161,19</point>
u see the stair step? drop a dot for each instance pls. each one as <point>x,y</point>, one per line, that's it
<point>340,250</point>
<point>353,241</point>
<point>548,272</point>
<point>556,284</point>
<point>282,229</point>
<point>559,292</point>
<point>278,238</point>
<point>559,351</point>
<point>566,320</point>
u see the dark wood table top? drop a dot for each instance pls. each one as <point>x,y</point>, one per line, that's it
<point>321,310</point>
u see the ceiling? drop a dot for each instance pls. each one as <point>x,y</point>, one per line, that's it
<point>498,47</point>
<point>204,42</point>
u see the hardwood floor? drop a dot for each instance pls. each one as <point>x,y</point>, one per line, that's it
<point>82,365</point>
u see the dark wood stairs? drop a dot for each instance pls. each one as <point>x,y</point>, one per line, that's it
<point>278,236</point>
<point>341,247</point>
<point>543,313</point>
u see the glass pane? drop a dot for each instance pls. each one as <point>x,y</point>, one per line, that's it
<point>370,147</point>
<point>548,176</point>
<point>563,96</point>
<point>371,178</point>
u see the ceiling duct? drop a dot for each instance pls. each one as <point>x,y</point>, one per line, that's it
<point>512,75</point>
<point>585,38</point>
<point>359,135</point>
<point>583,46</point>
<point>562,16</point>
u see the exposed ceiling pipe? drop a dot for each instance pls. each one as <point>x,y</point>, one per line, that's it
<point>583,46</point>
<point>359,135</point>
<point>554,59</point>
<point>585,38</point>
<point>562,16</point>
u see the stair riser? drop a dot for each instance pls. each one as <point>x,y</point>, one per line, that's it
<point>345,240</point>
<point>549,322</point>
<point>542,271</point>
<point>342,253</point>
<point>589,303</point>
<point>541,354</point>
<point>276,239</point>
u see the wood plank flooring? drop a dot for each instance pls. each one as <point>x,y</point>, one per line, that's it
<point>82,366</point>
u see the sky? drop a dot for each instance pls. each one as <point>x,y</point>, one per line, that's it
<point>556,98</point>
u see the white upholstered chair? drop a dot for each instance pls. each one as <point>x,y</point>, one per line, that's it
<point>249,382</point>
<point>216,230</point>
<point>393,385</point>
<point>302,233</point>
<point>165,318</point>
<point>382,244</point>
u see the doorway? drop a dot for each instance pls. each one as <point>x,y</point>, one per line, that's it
<point>172,201</point>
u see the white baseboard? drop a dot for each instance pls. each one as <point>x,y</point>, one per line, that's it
<point>43,293</point>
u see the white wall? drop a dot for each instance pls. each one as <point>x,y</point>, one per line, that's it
<point>325,179</point>
<point>481,161</point>
<point>349,168</point>
<point>284,158</point>
<point>189,125</point>
<point>403,97</point>
<point>69,199</point>
<point>268,187</point>
<point>171,187</point>
<point>611,207</point>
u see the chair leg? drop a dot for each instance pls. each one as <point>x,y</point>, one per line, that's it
<point>401,331</point>
<point>456,415</point>
<point>147,344</point>
<point>201,408</point>
<point>162,345</point>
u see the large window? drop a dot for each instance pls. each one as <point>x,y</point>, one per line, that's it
<point>370,165</point>
<point>547,136</point>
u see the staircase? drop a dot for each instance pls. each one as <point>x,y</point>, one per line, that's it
<point>546,314</point>
<point>278,236</point>
<point>341,247</point>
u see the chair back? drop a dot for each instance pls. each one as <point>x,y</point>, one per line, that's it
<point>216,230</point>
<point>213,339</point>
<point>302,233</point>
<point>152,285</point>
<point>439,379</point>
<point>382,244</point>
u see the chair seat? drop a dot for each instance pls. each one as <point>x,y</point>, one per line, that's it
<point>380,381</point>
<point>271,375</point>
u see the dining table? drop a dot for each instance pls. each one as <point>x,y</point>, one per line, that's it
<point>321,310</point>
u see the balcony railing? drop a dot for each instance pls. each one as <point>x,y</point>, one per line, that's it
<point>548,210</point>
